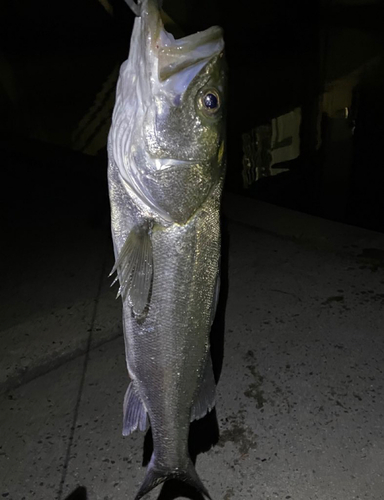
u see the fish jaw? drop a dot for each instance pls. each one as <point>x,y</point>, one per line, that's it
<point>157,117</point>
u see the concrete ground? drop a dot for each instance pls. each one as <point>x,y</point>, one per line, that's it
<point>300,404</point>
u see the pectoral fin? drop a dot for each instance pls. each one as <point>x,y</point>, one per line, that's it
<point>134,267</point>
<point>206,397</point>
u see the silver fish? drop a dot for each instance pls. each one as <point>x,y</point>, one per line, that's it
<point>166,169</point>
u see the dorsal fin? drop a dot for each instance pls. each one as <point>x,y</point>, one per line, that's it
<point>135,414</point>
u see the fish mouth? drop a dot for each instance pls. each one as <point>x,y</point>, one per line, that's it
<point>166,163</point>
<point>175,55</point>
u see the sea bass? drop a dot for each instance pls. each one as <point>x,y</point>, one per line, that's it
<point>166,151</point>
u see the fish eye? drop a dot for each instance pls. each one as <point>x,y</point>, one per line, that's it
<point>209,101</point>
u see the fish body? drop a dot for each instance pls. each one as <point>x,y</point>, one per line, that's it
<point>166,169</point>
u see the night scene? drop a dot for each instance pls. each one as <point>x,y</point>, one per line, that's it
<point>192,268</point>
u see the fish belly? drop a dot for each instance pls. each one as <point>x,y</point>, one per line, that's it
<point>167,349</point>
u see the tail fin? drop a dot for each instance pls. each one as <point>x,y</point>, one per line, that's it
<point>156,476</point>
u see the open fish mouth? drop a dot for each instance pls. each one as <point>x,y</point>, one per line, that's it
<point>176,55</point>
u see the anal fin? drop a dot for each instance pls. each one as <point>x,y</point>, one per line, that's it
<point>206,397</point>
<point>135,415</point>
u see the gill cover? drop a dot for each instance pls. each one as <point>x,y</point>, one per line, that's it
<point>163,134</point>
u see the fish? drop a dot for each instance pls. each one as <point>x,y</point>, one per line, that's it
<point>166,168</point>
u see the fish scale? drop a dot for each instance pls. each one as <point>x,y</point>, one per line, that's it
<point>165,174</point>
<point>180,325</point>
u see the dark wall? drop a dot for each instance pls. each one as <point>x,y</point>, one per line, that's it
<point>56,59</point>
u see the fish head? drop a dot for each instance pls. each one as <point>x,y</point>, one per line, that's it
<point>186,120</point>
<point>175,119</point>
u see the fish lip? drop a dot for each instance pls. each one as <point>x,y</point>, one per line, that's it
<point>194,40</point>
<point>174,55</point>
<point>166,163</point>
<point>193,50</point>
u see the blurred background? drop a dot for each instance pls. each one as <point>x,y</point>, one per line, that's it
<point>306,105</point>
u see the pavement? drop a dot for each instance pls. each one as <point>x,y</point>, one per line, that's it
<point>300,404</point>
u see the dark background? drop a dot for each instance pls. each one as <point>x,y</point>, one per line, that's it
<point>59,64</point>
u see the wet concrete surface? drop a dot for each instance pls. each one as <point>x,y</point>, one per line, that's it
<point>54,263</point>
<point>300,397</point>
